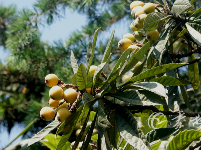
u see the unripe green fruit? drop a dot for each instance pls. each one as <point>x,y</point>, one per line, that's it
<point>53,103</point>
<point>129,36</point>
<point>152,35</point>
<point>138,35</point>
<point>125,78</point>
<point>56,93</point>
<point>135,4</point>
<point>47,113</point>
<point>141,18</point>
<point>137,24</point>
<point>64,105</point>
<point>149,8</point>
<point>62,114</point>
<point>134,48</point>
<point>70,95</point>
<point>92,69</point>
<point>51,80</point>
<point>133,11</point>
<point>133,27</point>
<point>139,12</point>
<point>123,44</point>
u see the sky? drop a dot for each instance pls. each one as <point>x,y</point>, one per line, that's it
<point>61,29</point>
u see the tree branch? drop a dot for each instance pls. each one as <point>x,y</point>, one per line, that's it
<point>197,50</point>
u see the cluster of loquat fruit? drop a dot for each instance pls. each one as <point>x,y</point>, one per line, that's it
<point>60,99</point>
<point>139,10</point>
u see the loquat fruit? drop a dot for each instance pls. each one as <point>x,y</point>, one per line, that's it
<point>149,8</point>
<point>70,95</point>
<point>47,113</point>
<point>62,114</point>
<point>53,103</point>
<point>51,80</point>
<point>129,36</point>
<point>56,93</point>
<point>124,43</point>
<point>135,4</point>
<point>152,35</point>
<point>92,69</point>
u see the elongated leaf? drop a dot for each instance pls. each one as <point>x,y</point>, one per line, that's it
<point>153,72</point>
<point>89,134</point>
<point>196,36</point>
<point>156,146</point>
<point>102,142</point>
<point>81,132</point>
<point>73,62</point>
<point>23,131</point>
<point>183,139</point>
<point>139,69</point>
<point>89,80</point>
<point>154,20</point>
<point>128,129</point>
<point>102,122</point>
<point>193,72</point>
<point>154,87</point>
<point>161,133</point>
<point>67,134</point>
<point>91,49</point>
<point>81,77</point>
<point>41,134</point>
<point>170,81</point>
<point>74,79</point>
<point>185,97</point>
<point>135,58</point>
<point>140,97</point>
<point>88,98</point>
<point>173,97</point>
<point>108,48</point>
<point>180,6</point>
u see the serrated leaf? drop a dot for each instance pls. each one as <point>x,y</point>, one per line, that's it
<point>41,134</point>
<point>154,20</point>
<point>89,134</point>
<point>108,48</point>
<point>156,146</point>
<point>170,81</point>
<point>196,36</point>
<point>153,72</point>
<point>135,58</point>
<point>74,79</point>
<point>183,139</point>
<point>154,87</point>
<point>81,77</point>
<point>88,98</point>
<point>159,134</point>
<point>140,97</point>
<point>91,49</point>
<point>193,72</point>
<point>180,6</point>
<point>127,126</point>
<point>89,80</point>
<point>102,122</point>
<point>185,98</point>
<point>73,62</point>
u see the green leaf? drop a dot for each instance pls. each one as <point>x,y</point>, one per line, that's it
<point>156,146</point>
<point>180,6</point>
<point>88,98</point>
<point>193,72</point>
<point>102,122</point>
<point>73,62</point>
<point>51,141</point>
<point>154,87</point>
<point>94,138</point>
<point>74,79</point>
<point>140,97</point>
<point>92,115</point>
<point>170,81</point>
<point>91,49</point>
<point>139,69</point>
<point>154,20</point>
<point>128,129</point>
<point>173,96</point>
<point>135,58</point>
<point>37,137</point>
<point>185,97</point>
<point>153,72</point>
<point>196,36</point>
<point>145,126</point>
<point>183,139</point>
<point>81,77</point>
<point>89,134</point>
<point>108,48</point>
<point>23,131</point>
<point>89,80</point>
<point>67,134</point>
<point>159,2</point>
<point>159,134</point>
<point>103,142</point>
<point>81,132</point>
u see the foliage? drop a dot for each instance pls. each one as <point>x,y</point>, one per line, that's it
<point>151,107</point>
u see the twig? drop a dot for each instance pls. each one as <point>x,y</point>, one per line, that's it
<point>64,85</point>
<point>195,146</point>
<point>185,55</point>
<point>103,75</point>
<point>74,105</point>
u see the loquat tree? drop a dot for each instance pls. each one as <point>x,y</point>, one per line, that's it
<point>145,101</point>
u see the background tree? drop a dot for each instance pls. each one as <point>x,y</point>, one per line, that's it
<point>22,84</point>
